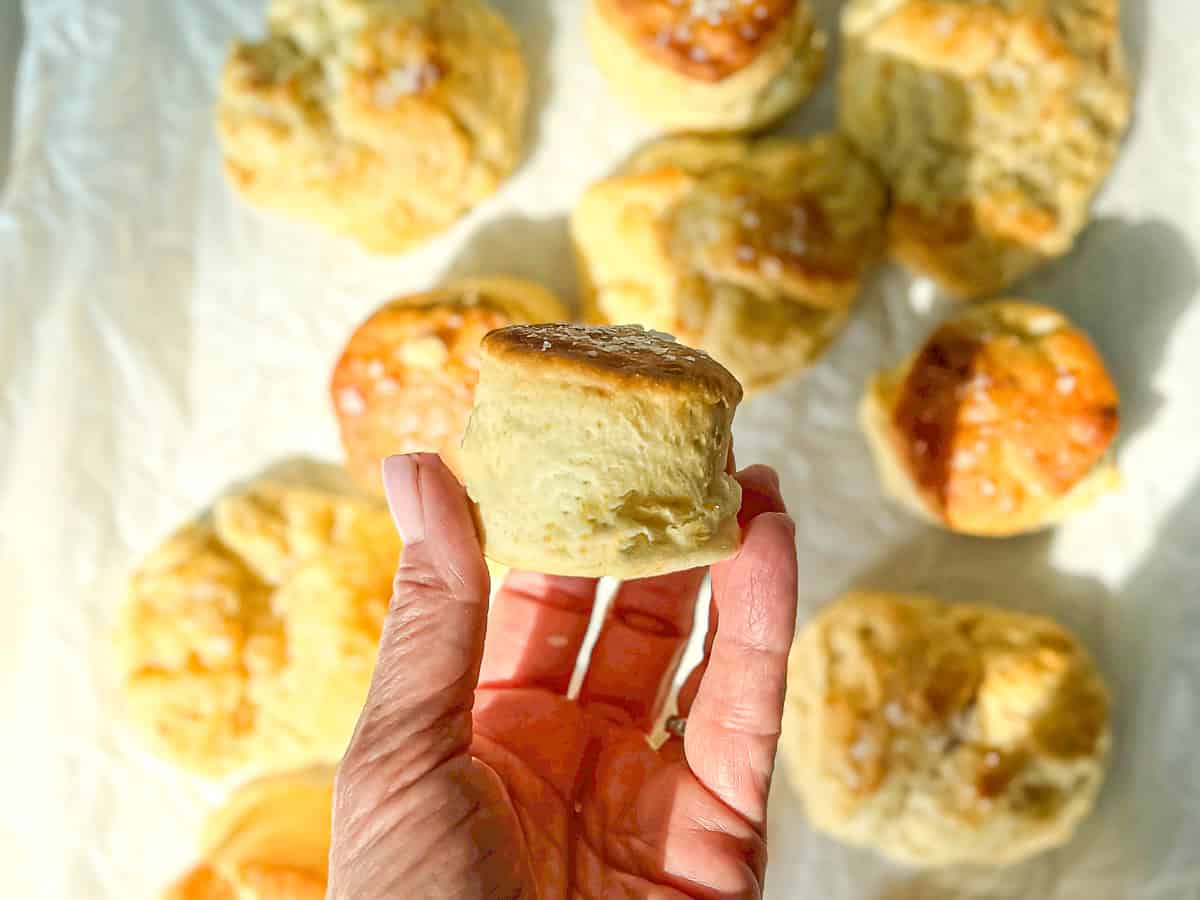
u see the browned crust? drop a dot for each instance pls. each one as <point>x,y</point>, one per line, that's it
<point>706,40</point>
<point>964,39</point>
<point>406,378</point>
<point>955,250</point>
<point>622,355</point>
<point>261,880</point>
<point>931,657</point>
<point>783,235</point>
<point>202,883</point>
<point>1005,409</point>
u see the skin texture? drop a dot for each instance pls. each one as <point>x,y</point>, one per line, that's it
<point>472,775</point>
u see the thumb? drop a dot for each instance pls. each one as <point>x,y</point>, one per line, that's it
<point>418,709</point>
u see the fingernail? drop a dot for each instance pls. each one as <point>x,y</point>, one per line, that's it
<point>402,487</point>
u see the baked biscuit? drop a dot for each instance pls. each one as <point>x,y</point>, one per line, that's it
<point>994,122</point>
<point>406,378</point>
<point>942,734</point>
<point>382,119</point>
<point>1000,424</point>
<point>753,251</point>
<point>601,451</point>
<point>248,640</point>
<point>269,842</point>
<point>707,65</point>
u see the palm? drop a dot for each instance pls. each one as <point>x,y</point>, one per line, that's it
<point>472,774</point>
<point>603,814</point>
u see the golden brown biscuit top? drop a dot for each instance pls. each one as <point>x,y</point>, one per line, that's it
<point>387,55</point>
<point>387,68</point>
<point>779,218</point>
<point>769,235</point>
<point>269,842</point>
<point>985,689</point>
<point>411,370</point>
<point>219,621</point>
<point>966,37</point>
<point>619,354</point>
<point>1005,404</point>
<point>707,40</point>
<point>202,883</point>
<point>252,881</point>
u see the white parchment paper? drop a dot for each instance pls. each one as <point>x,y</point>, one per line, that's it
<point>159,340</point>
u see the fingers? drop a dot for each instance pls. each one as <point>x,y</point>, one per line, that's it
<point>760,494</point>
<point>734,721</point>
<point>638,647</point>
<point>535,629</point>
<point>418,708</point>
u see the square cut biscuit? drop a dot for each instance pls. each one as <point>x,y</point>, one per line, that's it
<point>601,451</point>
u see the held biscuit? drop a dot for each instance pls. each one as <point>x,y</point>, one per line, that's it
<point>943,734</point>
<point>247,642</point>
<point>269,842</point>
<point>381,119</point>
<point>1001,423</point>
<point>993,121</point>
<point>707,65</point>
<point>406,379</point>
<point>601,451</point>
<point>751,250</point>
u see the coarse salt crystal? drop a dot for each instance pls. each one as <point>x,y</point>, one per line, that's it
<point>862,748</point>
<point>404,81</point>
<point>350,401</point>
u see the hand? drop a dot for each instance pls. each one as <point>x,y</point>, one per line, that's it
<point>471,774</point>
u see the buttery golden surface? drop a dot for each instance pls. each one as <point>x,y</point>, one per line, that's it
<point>994,122</point>
<point>381,119</point>
<point>247,641</point>
<point>941,734</point>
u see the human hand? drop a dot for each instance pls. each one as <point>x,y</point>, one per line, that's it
<point>472,775</point>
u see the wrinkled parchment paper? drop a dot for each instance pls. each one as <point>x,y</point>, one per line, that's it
<point>159,340</point>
